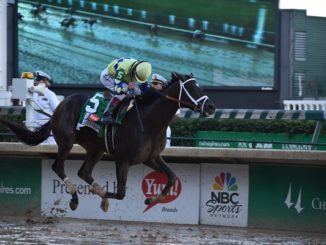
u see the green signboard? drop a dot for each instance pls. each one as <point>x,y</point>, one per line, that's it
<point>282,141</point>
<point>20,186</point>
<point>287,197</point>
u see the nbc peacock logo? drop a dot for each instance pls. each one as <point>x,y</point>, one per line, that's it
<point>224,200</point>
<point>225,182</point>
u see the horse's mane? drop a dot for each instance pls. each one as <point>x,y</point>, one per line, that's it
<point>151,95</point>
<point>176,77</point>
<point>148,97</point>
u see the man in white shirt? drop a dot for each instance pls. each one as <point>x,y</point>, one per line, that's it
<point>159,83</point>
<point>46,102</point>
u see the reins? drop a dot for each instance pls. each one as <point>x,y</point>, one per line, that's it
<point>195,104</point>
<point>182,102</point>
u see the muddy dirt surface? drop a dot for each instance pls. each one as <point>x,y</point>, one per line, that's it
<point>41,230</point>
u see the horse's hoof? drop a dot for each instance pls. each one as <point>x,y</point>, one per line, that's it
<point>105,204</point>
<point>154,199</point>
<point>73,204</point>
<point>107,195</point>
<point>148,201</point>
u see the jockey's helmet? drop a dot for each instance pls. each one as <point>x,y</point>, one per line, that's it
<point>38,75</point>
<point>143,71</point>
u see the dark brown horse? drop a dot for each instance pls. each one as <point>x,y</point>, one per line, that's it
<point>90,21</point>
<point>153,29</point>
<point>139,139</point>
<point>38,9</point>
<point>67,22</point>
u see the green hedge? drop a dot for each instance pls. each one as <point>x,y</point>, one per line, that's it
<point>187,128</point>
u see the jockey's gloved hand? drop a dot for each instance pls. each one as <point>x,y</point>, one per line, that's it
<point>131,93</point>
<point>124,87</point>
<point>137,91</point>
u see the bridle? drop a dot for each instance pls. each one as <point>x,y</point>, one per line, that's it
<point>197,105</point>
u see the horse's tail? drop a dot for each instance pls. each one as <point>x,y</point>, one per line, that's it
<point>27,136</point>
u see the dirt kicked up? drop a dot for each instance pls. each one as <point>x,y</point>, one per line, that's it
<point>42,230</point>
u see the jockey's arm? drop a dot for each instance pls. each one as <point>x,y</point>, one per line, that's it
<point>131,85</point>
<point>144,87</point>
<point>120,87</point>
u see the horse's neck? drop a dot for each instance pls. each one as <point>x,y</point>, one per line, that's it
<point>163,110</point>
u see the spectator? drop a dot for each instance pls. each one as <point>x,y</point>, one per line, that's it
<point>47,102</point>
<point>159,83</point>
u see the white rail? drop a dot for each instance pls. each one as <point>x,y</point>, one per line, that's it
<point>306,105</point>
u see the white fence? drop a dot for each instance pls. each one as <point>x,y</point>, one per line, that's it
<point>306,105</point>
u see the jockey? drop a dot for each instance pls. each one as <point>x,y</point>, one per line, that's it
<point>122,77</point>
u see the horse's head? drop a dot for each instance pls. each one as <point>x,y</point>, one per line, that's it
<point>191,96</point>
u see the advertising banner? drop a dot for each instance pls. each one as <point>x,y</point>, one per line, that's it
<point>290,197</point>
<point>20,186</point>
<point>224,194</point>
<point>249,140</point>
<point>180,206</point>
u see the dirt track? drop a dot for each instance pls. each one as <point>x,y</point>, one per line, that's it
<point>31,230</point>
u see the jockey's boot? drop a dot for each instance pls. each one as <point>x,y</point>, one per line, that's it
<point>108,112</point>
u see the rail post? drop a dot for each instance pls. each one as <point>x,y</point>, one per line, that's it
<point>23,89</point>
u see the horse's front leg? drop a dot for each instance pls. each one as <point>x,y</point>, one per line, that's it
<point>160,165</point>
<point>122,168</point>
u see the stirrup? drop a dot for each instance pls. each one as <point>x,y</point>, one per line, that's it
<point>108,120</point>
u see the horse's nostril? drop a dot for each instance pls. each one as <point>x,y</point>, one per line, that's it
<point>211,108</point>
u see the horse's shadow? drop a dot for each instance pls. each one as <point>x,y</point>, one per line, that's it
<point>153,41</point>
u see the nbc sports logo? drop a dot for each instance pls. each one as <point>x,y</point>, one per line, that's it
<point>225,182</point>
<point>224,194</point>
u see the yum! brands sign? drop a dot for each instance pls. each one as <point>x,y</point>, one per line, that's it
<point>154,183</point>
<point>181,204</point>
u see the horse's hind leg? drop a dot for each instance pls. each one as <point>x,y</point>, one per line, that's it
<point>160,165</point>
<point>58,168</point>
<point>85,173</point>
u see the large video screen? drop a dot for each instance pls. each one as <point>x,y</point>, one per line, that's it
<point>223,43</point>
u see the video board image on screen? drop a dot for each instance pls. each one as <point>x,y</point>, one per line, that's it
<point>222,43</point>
